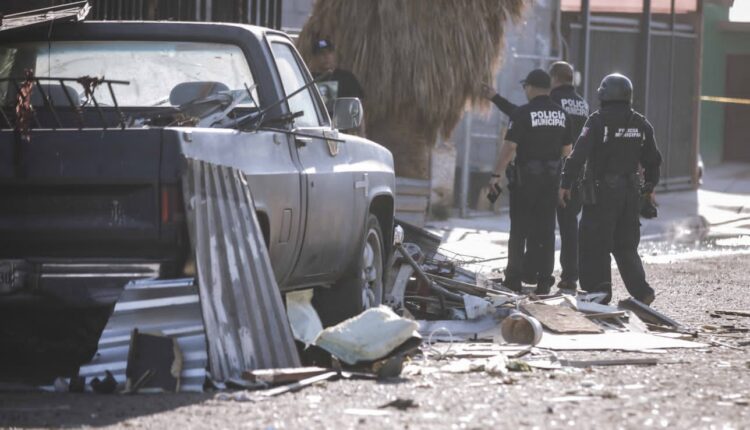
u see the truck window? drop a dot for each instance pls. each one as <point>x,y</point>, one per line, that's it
<point>154,68</point>
<point>292,79</point>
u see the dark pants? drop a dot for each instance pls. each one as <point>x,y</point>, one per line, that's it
<point>612,226</point>
<point>532,226</point>
<point>567,222</point>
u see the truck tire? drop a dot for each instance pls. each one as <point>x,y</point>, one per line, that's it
<point>362,288</point>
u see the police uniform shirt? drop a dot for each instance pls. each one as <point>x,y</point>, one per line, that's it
<point>564,95</point>
<point>573,104</point>
<point>617,139</point>
<point>540,129</point>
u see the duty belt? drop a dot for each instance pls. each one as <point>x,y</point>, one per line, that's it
<point>541,167</point>
<point>615,179</point>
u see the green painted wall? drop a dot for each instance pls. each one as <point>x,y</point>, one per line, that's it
<point>716,45</point>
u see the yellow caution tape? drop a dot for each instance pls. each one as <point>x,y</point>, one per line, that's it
<point>725,100</point>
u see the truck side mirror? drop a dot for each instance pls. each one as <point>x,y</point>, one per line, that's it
<point>347,113</point>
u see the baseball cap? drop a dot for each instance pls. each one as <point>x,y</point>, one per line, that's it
<point>537,78</point>
<point>321,45</point>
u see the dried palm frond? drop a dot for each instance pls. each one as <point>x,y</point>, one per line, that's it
<point>419,61</point>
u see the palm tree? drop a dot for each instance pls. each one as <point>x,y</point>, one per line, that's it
<point>420,62</point>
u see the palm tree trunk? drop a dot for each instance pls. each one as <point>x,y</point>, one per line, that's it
<point>410,144</point>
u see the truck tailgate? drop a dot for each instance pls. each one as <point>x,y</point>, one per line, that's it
<point>80,193</point>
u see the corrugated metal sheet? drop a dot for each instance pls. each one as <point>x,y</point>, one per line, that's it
<point>246,323</point>
<point>170,307</point>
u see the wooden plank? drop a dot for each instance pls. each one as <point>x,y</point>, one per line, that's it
<point>607,315</point>
<point>733,313</point>
<point>615,362</point>
<point>623,341</point>
<point>560,319</point>
<point>282,376</point>
<point>296,386</point>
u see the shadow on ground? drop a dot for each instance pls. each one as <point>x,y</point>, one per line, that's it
<point>27,410</point>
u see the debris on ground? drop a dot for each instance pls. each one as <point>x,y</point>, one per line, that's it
<point>440,318</point>
<point>370,336</point>
<point>400,404</point>
<point>154,364</point>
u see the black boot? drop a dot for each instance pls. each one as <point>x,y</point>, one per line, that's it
<point>544,286</point>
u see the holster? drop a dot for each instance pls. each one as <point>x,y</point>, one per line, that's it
<point>513,173</point>
<point>589,188</point>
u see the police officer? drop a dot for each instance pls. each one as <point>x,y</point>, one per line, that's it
<point>538,136</point>
<point>564,94</point>
<point>612,144</point>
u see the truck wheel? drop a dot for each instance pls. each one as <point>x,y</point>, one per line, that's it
<point>363,288</point>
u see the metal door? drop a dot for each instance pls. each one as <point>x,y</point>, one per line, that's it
<point>330,232</point>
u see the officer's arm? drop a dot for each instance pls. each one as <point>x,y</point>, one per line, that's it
<point>568,138</point>
<point>504,104</point>
<point>650,159</point>
<point>580,153</point>
<point>507,152</point>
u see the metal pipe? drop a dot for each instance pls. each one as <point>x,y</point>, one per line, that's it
<point>558,28</point>
<point>279,8</point>
<point>442,292</point>
<point>465,167</point>
<point>670,89</point>
<point>697,76</point>
<point>646,59</point>
<point>585,45</point>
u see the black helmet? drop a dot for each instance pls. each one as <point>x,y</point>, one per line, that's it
<point>615,88</point>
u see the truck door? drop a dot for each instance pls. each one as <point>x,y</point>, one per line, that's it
<point>327,247</point>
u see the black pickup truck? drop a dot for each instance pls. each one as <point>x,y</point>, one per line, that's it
<point>90,172</point>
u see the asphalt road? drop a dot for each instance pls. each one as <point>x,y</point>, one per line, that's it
<point>707,388</point>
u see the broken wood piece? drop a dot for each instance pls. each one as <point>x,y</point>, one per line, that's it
<point>665,329</point>
<point>614,362</point>
<point>282,376</point>
<point>735,313</point>
<point>560,319</point>
<point>607,315</point>
<point>296,386</point>
<point>625,341</point>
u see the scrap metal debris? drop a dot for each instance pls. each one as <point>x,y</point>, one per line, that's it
<point>168,307</point>
<point>24,111</point>
<point>246,324</point>
<point>71,12</point>
<point>154,363</point>
<point>468,321</point>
